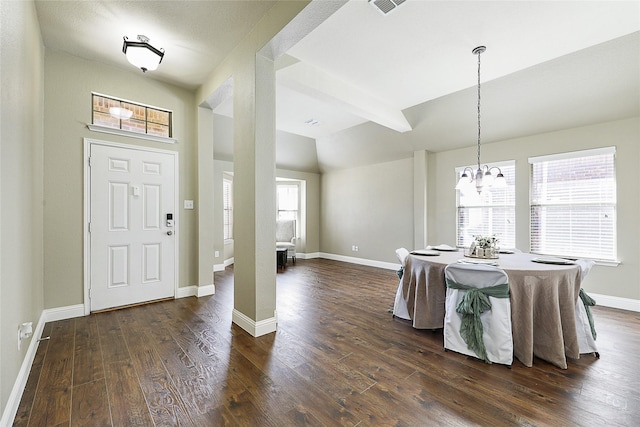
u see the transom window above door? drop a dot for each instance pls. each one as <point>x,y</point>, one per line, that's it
<point>129,116</point>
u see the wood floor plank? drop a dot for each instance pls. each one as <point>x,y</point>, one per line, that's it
<point>338,357</point>
<point>165,404</point>
<point>128,406</point>
<point>90,404</point>
<point>87,362</point>
<point>52,401</point>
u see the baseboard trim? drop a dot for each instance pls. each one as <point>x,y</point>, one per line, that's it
<point>311,255</point>
<point>196,291</point>
<point>616,302</point>
<point>206,290</point>
<point>361,261</point>
<point>63,313</point>
<point>187,291</point>
<point>254,328</point>
<point>11,408</point>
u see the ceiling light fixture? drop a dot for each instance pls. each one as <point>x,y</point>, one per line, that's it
<point>312,122</point>
<point>142,54</point>
<point>483,175</point>
<point>120,113</point>
<point>386,6</point>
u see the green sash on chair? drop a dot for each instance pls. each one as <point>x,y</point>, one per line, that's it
<point>475,302</point>
<point>588,302</point>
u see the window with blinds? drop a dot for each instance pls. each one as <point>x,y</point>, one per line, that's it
<point>227,202</point>
<point>493,212</point>
<point>287,201</point>
<point>573,204</point>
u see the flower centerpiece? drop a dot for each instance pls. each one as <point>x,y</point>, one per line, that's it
<point>484,247</point>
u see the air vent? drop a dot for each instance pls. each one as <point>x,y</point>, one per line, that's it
<point>386,6</point>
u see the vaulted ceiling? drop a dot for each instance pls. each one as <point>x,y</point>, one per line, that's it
<point>370,87</point>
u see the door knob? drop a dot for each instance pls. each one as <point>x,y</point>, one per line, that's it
<point>169,233</point>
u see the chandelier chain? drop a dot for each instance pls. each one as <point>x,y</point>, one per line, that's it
<point>479,109</point>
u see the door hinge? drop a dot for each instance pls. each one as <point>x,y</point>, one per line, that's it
<point>90,161</point>
<point>89,228</point>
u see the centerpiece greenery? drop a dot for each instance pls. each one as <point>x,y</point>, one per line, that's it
<point>484,247</point>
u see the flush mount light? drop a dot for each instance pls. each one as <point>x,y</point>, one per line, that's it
<point>312,122</point>
<point>142,54</point>
<point>120,113</point>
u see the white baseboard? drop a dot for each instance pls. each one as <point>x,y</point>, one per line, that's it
<point>63,313</point>
<point>11,408</point>
<point>616,302</point>
<point>225,264</point>
<point>196,291</point>
<point>361,261</point>
<point>187,291</point>
<point>308,256</point>
<point>254,328</point>
<point>206,290</point>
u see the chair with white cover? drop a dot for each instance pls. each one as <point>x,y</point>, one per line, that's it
<point>585,328</point>
<point>400,305</point>
<point>478,312</point>
<point>286,236</point>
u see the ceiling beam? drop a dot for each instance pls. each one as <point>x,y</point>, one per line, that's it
<point>311,81</point>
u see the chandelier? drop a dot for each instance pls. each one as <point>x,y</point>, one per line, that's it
<point>142,54</point>
<point>483,176</point>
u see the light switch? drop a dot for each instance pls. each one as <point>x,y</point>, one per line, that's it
<point>188,204</point>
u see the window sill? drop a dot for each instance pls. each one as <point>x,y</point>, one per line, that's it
<point>104,129</point>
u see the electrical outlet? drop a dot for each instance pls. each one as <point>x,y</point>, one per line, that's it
<point>216,254</point>
<point>188,204</point>
<point>25,330</point>
<point>354,248</point>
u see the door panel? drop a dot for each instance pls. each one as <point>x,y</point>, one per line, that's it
<point>132,254</point>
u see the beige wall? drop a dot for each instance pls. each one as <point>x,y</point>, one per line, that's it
<point>369,206</point>
<point>69,82</point>
<point>621,281</point>
<point>21,182</point>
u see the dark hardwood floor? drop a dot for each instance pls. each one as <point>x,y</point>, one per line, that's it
<point>338,358</point>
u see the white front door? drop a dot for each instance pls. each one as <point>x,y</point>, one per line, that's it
<point>132,245</point>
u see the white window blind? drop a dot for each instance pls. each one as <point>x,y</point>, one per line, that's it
<point>227,201</point>
<point>573,204</point>
<point>493,212</point>
<point>287,201</point>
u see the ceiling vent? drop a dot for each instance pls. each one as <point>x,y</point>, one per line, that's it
<point>386,6</point>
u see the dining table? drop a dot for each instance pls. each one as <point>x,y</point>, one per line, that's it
<point>543,300</point>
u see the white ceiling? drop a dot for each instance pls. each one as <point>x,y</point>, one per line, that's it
<point>409,75</point>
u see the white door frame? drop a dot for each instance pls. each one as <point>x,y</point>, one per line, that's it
<point>88,142</point>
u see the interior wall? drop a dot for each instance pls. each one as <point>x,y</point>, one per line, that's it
<point>621,281</point>
<point>21,183</point>
<point>69,82</point>
<point>370,207</point>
